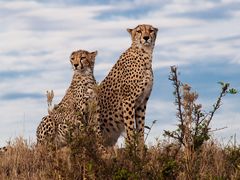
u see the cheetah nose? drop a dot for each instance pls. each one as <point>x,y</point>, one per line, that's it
<point>146,38</point>
<point>75,65</point>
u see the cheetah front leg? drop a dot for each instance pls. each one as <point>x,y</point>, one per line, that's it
<point>140,121</point>
<point>128,116</point>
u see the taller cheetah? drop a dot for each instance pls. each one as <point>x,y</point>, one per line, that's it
<point>124,93</point>
<point>72,110</point>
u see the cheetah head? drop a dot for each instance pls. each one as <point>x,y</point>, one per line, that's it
<point>83,61</point>
<point>143,35</point>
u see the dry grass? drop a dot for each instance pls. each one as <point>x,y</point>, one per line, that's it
<point>162,161</point>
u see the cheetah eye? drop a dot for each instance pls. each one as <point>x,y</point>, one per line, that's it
<point>151,30</point>
<point>138,31</point>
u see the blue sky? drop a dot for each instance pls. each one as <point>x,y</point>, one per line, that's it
<point>37,38</point>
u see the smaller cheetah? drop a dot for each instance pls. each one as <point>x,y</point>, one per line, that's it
<point>124,93</point>
<point>72,111</point>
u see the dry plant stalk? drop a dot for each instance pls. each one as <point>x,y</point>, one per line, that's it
<point>190,114</point>
<point>189,154</point>
<point>50,96</point>
<point>194,123</point>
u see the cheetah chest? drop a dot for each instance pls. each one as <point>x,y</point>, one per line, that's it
<point>147,87</point>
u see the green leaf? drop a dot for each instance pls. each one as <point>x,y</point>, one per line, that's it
<point>221,83</point>
<point>232,91</point>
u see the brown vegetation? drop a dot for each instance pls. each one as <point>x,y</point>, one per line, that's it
<point>162,161</point>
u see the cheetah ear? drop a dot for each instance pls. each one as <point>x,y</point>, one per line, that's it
<point>130,30</point>
<point>93,54</point>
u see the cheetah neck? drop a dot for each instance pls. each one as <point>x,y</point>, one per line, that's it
<point>85,73</point>
<point>145,49</point>
<point>82,77</point>
<point>144,55</point>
